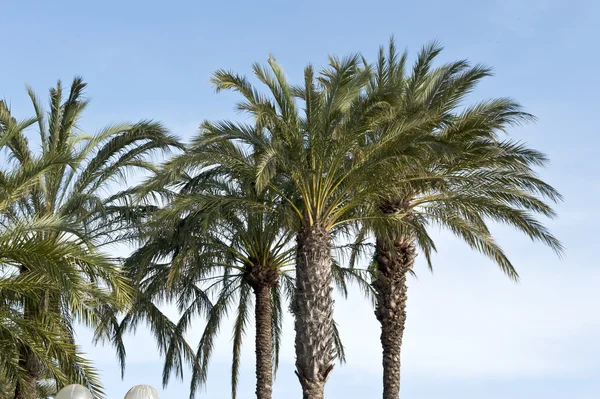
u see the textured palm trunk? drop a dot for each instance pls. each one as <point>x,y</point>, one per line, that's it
<point>264,347</point>
<point>313,311</point>
<point>27,388</point>
<point>393,266</point>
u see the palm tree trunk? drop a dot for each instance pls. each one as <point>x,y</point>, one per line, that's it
<point>264,347</point>
<point>313,311</point>
<point>390,288</point>
<point>26,389</point>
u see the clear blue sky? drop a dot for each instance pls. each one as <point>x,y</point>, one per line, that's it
<point>471,333</point>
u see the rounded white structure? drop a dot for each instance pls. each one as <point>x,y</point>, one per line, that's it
<point>142,392</point>
<point>74,391</point>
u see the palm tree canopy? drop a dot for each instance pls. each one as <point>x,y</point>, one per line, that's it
<point>472,177</point>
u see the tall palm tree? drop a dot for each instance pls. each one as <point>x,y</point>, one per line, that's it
<point>28,243</point>
<point>232,253</point>
<point>69,193</point>
<point>471,178</point>
<point>309,159</point>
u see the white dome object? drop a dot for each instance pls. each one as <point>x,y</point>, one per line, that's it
<point>74,391</point>
<point>142,392</point>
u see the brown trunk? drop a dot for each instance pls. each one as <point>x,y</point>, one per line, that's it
<point>27,388</point>
<point>313,311</point>
<point>264,348</point>
<point>312,391</point>
<point>390,287</point>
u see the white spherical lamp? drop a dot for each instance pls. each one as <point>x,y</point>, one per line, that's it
<point>142,392</point>
<point>74,391</point>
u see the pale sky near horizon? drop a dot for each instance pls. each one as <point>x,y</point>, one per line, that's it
<point>471,332</point>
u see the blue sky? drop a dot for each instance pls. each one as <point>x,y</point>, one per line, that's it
<point>471,333</point>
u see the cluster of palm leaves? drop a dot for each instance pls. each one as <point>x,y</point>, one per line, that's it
<point>361,156</point>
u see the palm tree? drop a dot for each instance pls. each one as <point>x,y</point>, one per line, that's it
<point>215,249</point>
<point>28,244</point>
<point>472,177</point>
<point>310,160</point>
<point>61,188</point>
